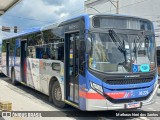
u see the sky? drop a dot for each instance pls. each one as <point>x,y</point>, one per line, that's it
<point>37,13</point>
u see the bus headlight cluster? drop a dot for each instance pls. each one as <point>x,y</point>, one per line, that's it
<point>96,87</point>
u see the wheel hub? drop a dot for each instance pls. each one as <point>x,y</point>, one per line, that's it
<point>58,94</point>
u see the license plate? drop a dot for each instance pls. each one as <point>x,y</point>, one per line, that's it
<point>133,105</point>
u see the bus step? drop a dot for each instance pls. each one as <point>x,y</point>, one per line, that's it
<point>71,103</point>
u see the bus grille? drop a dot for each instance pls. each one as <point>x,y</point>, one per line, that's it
<point>129,81</point>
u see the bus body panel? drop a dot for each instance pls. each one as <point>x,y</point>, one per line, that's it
<point>17,68</point>
<point>95,101</point>
<point>102,104</point>
<point>4,63</point>
<point>4,57</point>
<point>40,72</point>
<point>82,92</point>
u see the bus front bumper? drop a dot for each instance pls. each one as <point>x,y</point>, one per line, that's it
<point>95,105</point>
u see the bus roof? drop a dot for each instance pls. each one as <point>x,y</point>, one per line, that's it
<point>28,31</point>
<point>46,27</point>
<point>49,26</point>
<point>86,17</point>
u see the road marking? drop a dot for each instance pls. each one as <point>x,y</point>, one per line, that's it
<point>144,118</point>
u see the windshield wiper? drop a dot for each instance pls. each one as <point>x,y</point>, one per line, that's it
<point>135,50</point>
<point>118,42</point>
<point>138,41</point>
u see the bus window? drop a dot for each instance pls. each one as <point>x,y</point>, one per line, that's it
<point>158,61</point>
<point>31,52</point>
<point>60,51</point>
<point>41,51</point>
<point>50,51</point>
<point>12,46</point>
<point>18,52</point>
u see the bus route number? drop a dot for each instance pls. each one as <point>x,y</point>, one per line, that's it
<point>142,93</point>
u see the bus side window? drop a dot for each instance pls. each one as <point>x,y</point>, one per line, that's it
<point>82,57</point>
<point>55,51</point>
<point>42,51</point>
<point>61,51</point>
<point>18,52</point>
<point>31,52</point>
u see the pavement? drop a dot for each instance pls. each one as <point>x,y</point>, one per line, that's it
<point>24,98</point>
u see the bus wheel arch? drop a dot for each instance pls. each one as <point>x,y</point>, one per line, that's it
<point>51,82</point>
<point>54,87</point>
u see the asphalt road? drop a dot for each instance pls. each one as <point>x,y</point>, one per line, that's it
<point>24,98</point>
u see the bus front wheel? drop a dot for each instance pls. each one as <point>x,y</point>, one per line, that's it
<point>13,78</point>
<point>57,95</point>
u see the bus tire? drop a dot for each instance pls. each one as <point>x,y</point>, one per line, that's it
<point>13,78</point>
<point>57,95</point>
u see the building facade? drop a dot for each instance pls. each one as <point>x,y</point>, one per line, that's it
<point>142,8</point>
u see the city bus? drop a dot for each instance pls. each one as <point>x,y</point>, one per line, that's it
<point>92,62</point>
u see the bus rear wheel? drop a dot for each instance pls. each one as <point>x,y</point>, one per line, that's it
<point>57,95</point>
<point>13,78</point>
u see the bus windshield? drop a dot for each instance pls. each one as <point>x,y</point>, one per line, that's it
<point>122,53</point>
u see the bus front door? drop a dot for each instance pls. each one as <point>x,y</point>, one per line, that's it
<point>23,61</point>
<point>7,58</point>
<point>71,66</point>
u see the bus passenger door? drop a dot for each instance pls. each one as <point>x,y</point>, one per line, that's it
<point>71,66</point>
<point>7,58</point>
<point>23,59</point>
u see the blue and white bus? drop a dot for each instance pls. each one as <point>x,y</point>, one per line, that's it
<point>92,62</point>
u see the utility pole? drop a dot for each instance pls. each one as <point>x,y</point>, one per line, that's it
<point>115,5</point>
<point>92,3</point>
<point>95,9</point>
<point>117,9</point>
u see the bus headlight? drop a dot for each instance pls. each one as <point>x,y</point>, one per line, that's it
<point>96,87</point>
